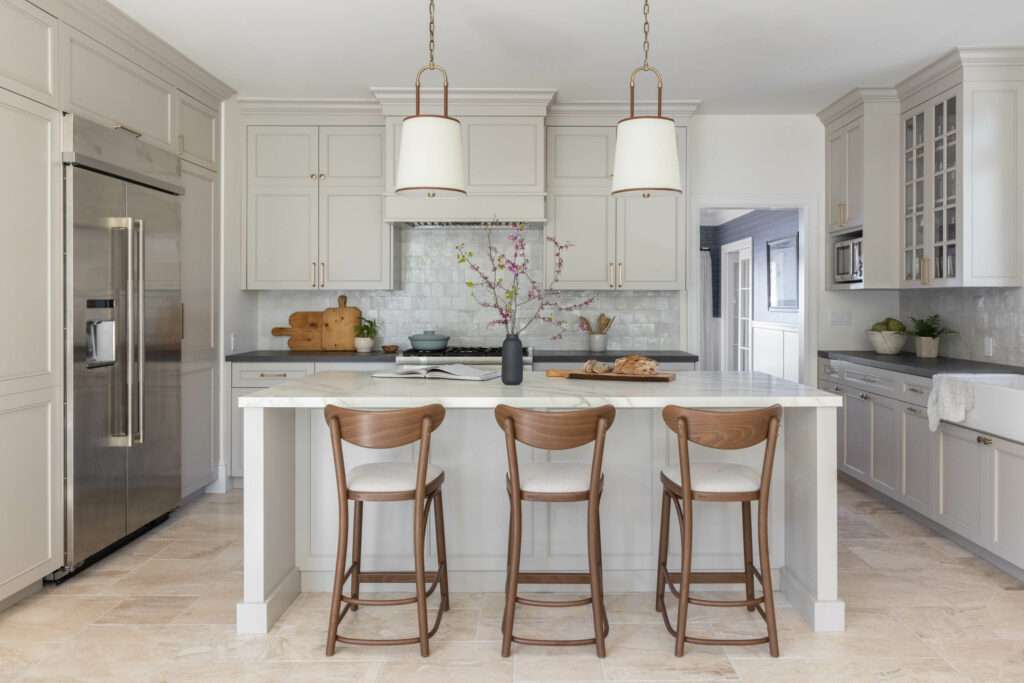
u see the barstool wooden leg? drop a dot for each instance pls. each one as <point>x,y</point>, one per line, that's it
<point>748,554</point>
<point>420,529</point>
<point>339,577</point>
<point>516,526</point>
<point>686,533</point>
<point>600,567</point>
<point>659,595</point>
<point>593,566</point>
<point>508,563</point>
<point>442,551</point>
<point>766,579</point>
<point>357,550</point>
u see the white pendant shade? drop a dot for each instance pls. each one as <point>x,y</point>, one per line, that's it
<point>430,156</point>
<point>646,157</point>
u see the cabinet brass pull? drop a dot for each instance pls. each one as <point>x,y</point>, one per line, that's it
<point>312,176</point>
<point>985,441</point>
<point>620,274</point>
<point>130,131</point>
<point>274,375</point>
<point>611,274</point>
<point>915,390</point>
<point>321,274</point>
<point>913,411</point>
<point>322,176</point>
<point>865,397</point>
<point>313,281</point>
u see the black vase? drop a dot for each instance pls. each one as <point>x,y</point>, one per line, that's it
<point>512,360</point>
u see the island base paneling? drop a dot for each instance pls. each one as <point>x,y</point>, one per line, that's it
<point>469,446</point>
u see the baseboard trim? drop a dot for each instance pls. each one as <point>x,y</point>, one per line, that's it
<point>258,617</point>
<point>220,484</point>
<point>822,615</point>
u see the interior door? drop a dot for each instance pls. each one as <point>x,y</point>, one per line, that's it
<point>98,328</point>
<point>737,297</point>
<point>153,465</point>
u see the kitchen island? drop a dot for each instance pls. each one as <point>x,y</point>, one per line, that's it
<point>291,498</point>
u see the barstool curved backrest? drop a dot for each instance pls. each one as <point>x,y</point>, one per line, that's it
<point>383,429</point>
<point>555,431</point>
<point>725,430</point>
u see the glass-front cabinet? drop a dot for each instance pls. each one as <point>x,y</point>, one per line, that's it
<point>931,192</point>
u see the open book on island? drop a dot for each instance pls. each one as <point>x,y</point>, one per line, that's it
<point>473,373</point>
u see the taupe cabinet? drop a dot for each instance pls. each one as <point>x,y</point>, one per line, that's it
<point>634,243</point>
<point>965,480</point>
<point>314,215</point>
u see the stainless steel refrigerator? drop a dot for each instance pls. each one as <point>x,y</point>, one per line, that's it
<point>124,321</point>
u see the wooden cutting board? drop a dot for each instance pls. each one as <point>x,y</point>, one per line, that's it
<point>339,326</point>
<point>304,331</point>
<point>576,374</point>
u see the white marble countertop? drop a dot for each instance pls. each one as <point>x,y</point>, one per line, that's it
<point>692,389</point>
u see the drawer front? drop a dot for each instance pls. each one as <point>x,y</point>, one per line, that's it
<point>354,367</point>
<point>27,40</point>
<point>198,137</point>
<point>830,370</point>
<point>107,88</point>
<point>259,375</point>
<point>915,390</point>
<point>875,381</point>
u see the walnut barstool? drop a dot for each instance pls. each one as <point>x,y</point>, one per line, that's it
<point>718,482</point>
<point>387,482</point>
<point>554,483</point>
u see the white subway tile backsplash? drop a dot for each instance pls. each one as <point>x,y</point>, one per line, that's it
<point>975,313</point>
<point>433,295</point>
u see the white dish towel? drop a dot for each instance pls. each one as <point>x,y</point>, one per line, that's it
<point>951,398</point>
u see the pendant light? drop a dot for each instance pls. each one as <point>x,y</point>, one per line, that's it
<point>646,155</point>
<point>430,157</point>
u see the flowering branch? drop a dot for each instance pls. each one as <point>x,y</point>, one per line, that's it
<point>510,289</point>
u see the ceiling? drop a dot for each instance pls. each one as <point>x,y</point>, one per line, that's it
<point>737,56</point>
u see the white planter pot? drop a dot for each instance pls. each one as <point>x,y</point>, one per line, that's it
<point>364,344</point>
<point>927,347</point>
<point>599,343</point>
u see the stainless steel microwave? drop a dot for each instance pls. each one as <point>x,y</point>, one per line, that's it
<point>848,258</point>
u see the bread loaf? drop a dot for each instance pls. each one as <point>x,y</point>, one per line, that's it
<point>596,367</point>
<point>635,365</point>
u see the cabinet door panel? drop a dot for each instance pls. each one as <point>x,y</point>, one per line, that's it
<point>199,137</point>
<point>921,459</point>
<point>504,154</point>
<point>199,248</point>
<point>1007,534</point>
<point>355,242</point>
<point>837,177</point>
<point>199,412</point>
<point>27,50</point>
<point>107,88</point>
<point>649,242</point>
<point>858,435</point>
<point>960,504</point>
<point>855,173</point>
<point>237,447</point>
<point>886,451</point>
<point>282,154</point>
<point>282,238</point>
<point>588,222</point>
<point>581,156</point>
<point>352,156</point>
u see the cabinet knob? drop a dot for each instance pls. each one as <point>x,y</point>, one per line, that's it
<point>322,176</point>
<point>865,397</point>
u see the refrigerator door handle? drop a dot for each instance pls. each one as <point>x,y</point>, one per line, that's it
<point>140,340</point>
<point>126,223</point>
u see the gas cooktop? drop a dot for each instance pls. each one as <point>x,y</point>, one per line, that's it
<point>476,355</point>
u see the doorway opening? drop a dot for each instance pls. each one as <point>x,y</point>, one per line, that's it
<point>750,290</point>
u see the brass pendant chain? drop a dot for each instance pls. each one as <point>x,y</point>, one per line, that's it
<point>647,33</point>
<point>430,29</point>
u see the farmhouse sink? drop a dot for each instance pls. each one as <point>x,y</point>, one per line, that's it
<point>998,405</point>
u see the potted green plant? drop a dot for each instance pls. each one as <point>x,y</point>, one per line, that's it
<point>366,332</point>
<point>927,333</point>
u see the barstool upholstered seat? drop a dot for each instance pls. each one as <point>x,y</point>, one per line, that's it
<point>382,477</point>
<point>554,477</point>
<point>717,477</point>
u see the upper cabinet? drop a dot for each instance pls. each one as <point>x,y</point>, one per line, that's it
<point>198,140</point>
<point>314,217</point>
<point>28,38</point>
<point>618,243</point>
<point>961,152</point>
<point>862,181</point>
<point>106,88</point>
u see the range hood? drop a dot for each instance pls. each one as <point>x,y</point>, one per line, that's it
<point>467,210</point>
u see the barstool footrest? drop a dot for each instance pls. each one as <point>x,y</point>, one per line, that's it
<point>579,602</point>
<point>725,641</point>
<point>394,577</point>
<point>709,577</point>
<point>726,603</point>
<point>560,578</point>
<point>553,643</point>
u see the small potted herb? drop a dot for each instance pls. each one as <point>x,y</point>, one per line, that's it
<point>927,333</point>
<point>366,332</point>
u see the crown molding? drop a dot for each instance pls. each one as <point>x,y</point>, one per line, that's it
<point>610,112</point>
<point>103,22</point>
<point>854,99</point>
<point>467,101</point>
<point>302,111</point>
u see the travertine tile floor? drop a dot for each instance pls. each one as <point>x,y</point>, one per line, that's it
<point>161,609</point>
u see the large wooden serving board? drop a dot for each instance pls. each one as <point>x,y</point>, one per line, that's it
<point>576,374</point>
<point>339,326</point>
<point>303,331</point>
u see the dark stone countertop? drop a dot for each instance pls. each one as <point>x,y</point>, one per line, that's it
<point>922,367</point>
<point>287,356</point>
<point>573,356</point>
